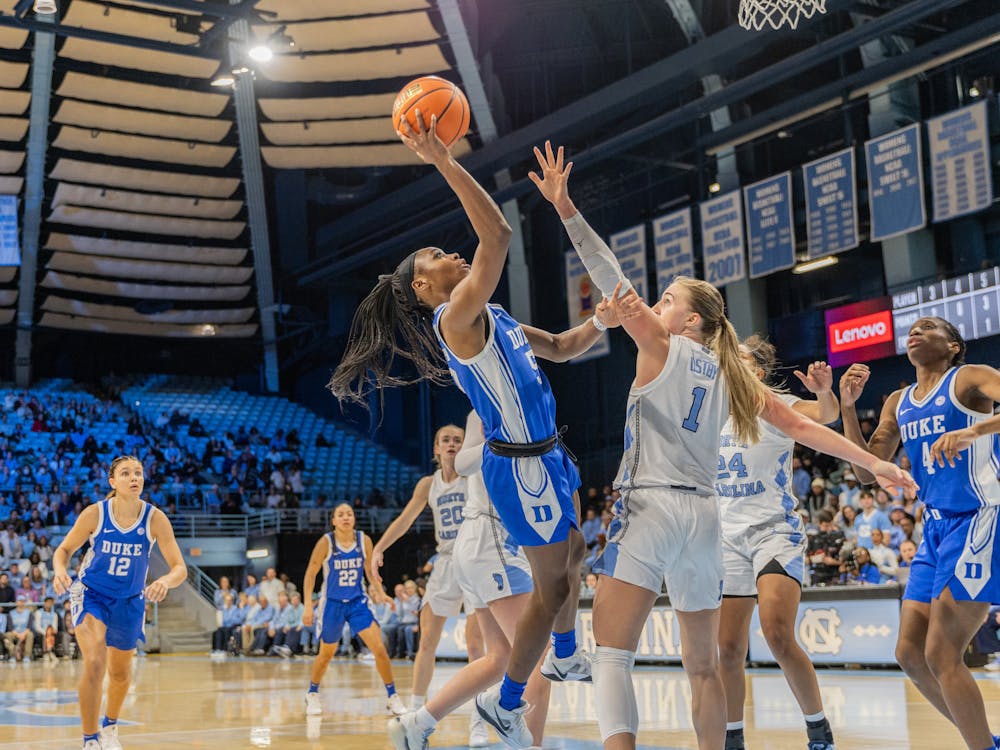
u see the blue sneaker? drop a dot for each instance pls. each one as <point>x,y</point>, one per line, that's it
<point>996,741</point>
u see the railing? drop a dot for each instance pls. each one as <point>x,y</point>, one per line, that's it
<point>204,585</point>
<point>369,520</point>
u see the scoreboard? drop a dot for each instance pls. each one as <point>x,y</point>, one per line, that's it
<point>970,302</point>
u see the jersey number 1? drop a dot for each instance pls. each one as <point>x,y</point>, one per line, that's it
<point>698,398</point>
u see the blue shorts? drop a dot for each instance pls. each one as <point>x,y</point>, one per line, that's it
<point>123,618</point>
<point>355,613</point>
<point>960,552</point>
<point>533,496</point>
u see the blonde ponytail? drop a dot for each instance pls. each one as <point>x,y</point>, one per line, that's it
<point>747,394</point>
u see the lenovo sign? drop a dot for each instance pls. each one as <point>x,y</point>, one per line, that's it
<point>860,332</point>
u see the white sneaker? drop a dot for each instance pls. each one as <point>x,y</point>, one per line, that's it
<point>406,734</point>
<point>109,738</point>
<point>479,735</point>
<point>92,745</point>
<point>367,656</point>
<point>395,705</point>
<point>575,668</point>
<point>993,665</point>
<point>510,726</point>
<point>314,706</point>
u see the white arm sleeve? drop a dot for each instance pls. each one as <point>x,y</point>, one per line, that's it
<point>600,262</point>
<point>470,459</point>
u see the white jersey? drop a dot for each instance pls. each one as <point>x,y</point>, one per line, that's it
<point>673,423</point>
<point>447,503</point>
<point>754,482</point>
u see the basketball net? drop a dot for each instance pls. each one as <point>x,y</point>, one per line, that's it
<point>756,14</point>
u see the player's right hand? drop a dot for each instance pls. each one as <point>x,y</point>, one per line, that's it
<point>891,477</point>
<point>374,565</point>
<point>423,140</point>
<point>61,583</point>
<point>852,383</point>
<point>307,616</point>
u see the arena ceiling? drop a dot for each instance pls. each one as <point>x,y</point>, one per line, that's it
<point>146,221</point>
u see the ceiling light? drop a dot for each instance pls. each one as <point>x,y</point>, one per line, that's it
<point>45,7</point>
<point>208,330</point>
<point>974,91</point>
<point>784,134</point>
<point>260,52</point>
<point>714,187</point>
<point>225,79</point>
<point>812,265</point>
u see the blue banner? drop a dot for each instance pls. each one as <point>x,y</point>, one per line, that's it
<point>10,248</point>
<point>961,178</point>
<point>722,239</point>
<point>630,249</point>
<point>673,248</point>
<point>854,631</point>
<point>895,183</point>
<point>770,225</point>
<point>831,204</point>
<point>582,296</point>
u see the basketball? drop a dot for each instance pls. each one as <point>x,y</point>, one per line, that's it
<point>433,96</point>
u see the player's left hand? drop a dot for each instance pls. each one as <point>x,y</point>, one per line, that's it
<point>818,377</point>
<point>949,446</point>
<point>626,306</point>
<point>604,312</point>
<point>156,591</point>
<point>423,140</point>
<point>891,477</point>
<point>553,182</point>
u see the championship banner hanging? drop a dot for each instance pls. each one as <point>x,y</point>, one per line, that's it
<point>770,225</point>
<point>629,248</point>
<point>673,248</point>
<point>961,178</point>
<point>722,238</point>
<point>895,183</point>
<point>831,204</point>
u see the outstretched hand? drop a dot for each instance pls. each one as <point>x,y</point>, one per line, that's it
<point>604,311</point>
<point>554,178</point>
<point>625,307</point>
<point>818,377</point>
<point>852,383</point>
<point>423,140</point>
<point>892,477</point>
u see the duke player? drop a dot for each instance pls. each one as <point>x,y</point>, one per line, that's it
<point>108,599</point>
<point>445,493</point>
<point>341,555</point>
<point>496,580</point>
<point>434,311</point>
<point>763,543</point>
<point>946,423</point>
<point>689,380</point>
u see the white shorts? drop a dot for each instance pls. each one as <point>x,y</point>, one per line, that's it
<point>746,551</point>
<point>443,593</point>
<point>660,534</point>
<point>490,564</point>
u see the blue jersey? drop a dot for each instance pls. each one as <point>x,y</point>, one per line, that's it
<point>972,483</point>
<point>507,390</point>
<point>343,569</point>
<point>116,563</point>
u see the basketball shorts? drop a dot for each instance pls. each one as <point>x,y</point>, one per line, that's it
<point>533,496</point>
<point>746,550</point>
<point>443,593</point>
<point>960,552</point>
<point>354,612</point>
<point>123,618</point>
<point>660,534</point>
<point>489,564</point>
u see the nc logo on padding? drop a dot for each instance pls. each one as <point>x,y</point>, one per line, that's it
<point>818,631</point>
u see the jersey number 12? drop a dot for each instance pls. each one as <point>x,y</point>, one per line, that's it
<point>119,566</point>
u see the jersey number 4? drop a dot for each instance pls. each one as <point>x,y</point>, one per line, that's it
<point>736,467</point>
<point>119,566</point>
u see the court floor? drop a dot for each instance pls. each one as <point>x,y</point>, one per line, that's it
<point>191,701</point>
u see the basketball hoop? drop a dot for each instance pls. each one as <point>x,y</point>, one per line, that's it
<point>756,14</point>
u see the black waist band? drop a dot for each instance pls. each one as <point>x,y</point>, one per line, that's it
<point>522,450</point>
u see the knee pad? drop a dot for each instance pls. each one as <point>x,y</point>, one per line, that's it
<point>614,693</point>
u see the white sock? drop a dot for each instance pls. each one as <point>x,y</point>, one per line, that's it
<point>734,725</point>
<point>614,693</point>
<point>424,719</point>
<point>417,701</point>
<point>815,717</point>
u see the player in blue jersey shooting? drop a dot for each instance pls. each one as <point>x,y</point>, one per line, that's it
<point>109,597</point>
<point>946,423</point>
<point>434,311</point>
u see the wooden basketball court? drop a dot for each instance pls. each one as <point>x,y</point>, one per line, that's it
<point>191,701</point>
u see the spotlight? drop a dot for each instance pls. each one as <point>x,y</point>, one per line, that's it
<point>814,265</point>
<point>974,91</point>
<point>208,330</point>
<point>225,79</point>
<point>45,7</point>
<point>784,134</point>
<point>260,52</point>
<point>714,187</point>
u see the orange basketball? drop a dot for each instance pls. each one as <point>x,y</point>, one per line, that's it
<point>434,96</point>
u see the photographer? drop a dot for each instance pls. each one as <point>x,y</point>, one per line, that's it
<point>858,568</point>
<point>824,551</point>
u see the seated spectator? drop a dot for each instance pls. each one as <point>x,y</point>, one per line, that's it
<point>912,529</point>
<point>67,633</point>
<point>220,593</point>
<point>591,527</point>
<point>849,490</point>
<point>43,549</point>
<point>589,587</point>
<point>20,638</point>
<point>46,626</point>
<point>882,557</point>
<point>28,592</point>
<point>845,521</point>
<point>10,542</point>
<point>250,611</point>
<point>883,500</point>
<point>801,479</point>
<point>870,518</point>
<point>283,623</point>
<point>251,588</point>
<point>408,609</point>
<point>4,624</point>
<point>987,640</point>
<point>824,551</point>
<point>298,638</point>
<point>859,568</point>
<point>258,624</point>
<point>271,585</point>
<point>818,496</point>
<point>7,593</point>
<point>232,618</point>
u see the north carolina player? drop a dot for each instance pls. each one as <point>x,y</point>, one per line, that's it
<point>946,423</point>
<point>445,493</point>
<point>528,474</point>
<point>341,555</point>
<point>496,580</point>
<point>763,543</point>
<point>108,599</point>
<point>688,381</point>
